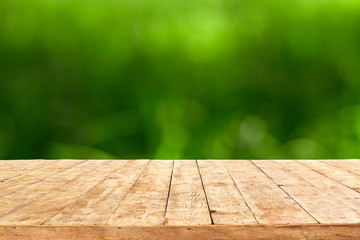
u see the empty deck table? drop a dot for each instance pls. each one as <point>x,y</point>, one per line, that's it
<point>181,199</point>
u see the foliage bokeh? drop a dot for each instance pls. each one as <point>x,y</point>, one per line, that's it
<point>179,79</point>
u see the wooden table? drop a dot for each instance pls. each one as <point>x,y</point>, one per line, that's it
<point>182,199</point>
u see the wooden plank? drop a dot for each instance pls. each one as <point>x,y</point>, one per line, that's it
<point>145,203</point>
<point>269,203</point>
<point>37,175</point>
<point>209,232</point>
<point>171,200</point>
<point>23,165</point>
<point>9,169</point>
<point>343,176</point>
<point>346,164</point>
<point>43,208</point>
<point>14,168</point>
<point>315,200</point>
<point>226,204</point>
<point>344,194</point>
<point>187,203</point>
<point>21,198</point>
<point>96,205</point>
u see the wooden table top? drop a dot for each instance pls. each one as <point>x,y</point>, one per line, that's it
<point>181,199</point>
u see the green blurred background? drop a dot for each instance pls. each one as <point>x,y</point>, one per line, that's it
<point>179,79</point>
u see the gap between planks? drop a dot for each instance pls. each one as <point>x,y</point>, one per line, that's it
<point>203,185</point>
<point>285,191</point>
<point>206,198</point>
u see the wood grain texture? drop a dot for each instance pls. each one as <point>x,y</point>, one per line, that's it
<point>269,203</point>
<point>14,168</point>
<point>327,185</point>
<point>348,165</point>
<point>18,199</point>
<point>343,176</point>
<point>315,200</point>
<point>226,204</point>
<point>145,203</point>
<point>182,199</point>
<point>97,205</point>
<point>210,232</point>
<point>43,208</point>
<point>187,203</point>
<point>40,173</point>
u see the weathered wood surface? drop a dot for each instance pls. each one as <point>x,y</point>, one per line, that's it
<point>211,232</point>
<point>182,199</point>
